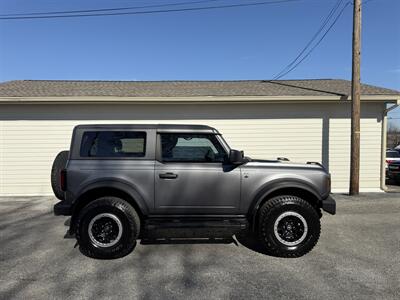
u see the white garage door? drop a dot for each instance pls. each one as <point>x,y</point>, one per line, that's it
<point>32,135</point>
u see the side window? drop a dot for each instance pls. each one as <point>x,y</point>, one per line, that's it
<point>113,144</point>
<point>180,147</point>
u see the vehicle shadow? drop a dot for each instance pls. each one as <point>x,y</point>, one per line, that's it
<point>247,240</point>
<point>67,234</point>
<point>251,242</point>
<point>67,222</point>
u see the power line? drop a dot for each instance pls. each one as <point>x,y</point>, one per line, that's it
<point>284,71</point>
<point>150,11</point>
<point>324,23</point>
<point>366,1</point>
<point>317,44</point>
<point>108,9</point>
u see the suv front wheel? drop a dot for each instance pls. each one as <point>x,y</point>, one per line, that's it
<point>107,228</point>
<point>288,226</point>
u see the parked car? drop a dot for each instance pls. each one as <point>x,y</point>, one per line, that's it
<point>392,156</point>
<point>124,182</point>
<point>393,171</point>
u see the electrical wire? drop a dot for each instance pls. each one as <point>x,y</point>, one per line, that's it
<point>323,25</point>
<point>109,9</point>
<point>316,45</point>
<point>366,1</point>
<point>334,9</point>
<point>149,11</point>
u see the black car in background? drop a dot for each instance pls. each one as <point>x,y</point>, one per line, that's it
<point>393,171</point>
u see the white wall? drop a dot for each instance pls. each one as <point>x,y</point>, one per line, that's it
<point>31,135</point>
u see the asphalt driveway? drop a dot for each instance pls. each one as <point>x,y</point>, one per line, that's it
<point>358,257</point>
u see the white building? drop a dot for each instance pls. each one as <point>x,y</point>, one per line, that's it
<point>303,120</point>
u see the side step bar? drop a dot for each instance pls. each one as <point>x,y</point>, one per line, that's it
<point>193,227</point>
<point>193,223</point>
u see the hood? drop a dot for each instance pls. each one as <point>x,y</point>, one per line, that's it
<point>283,164</point>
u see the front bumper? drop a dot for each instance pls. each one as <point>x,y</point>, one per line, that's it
<point>329,205</point>
<point>62,209</point>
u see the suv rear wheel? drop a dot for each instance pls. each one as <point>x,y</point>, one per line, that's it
<point>288,226</point>
<point>107,228</point>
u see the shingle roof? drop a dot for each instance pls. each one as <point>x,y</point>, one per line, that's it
<point>62,88</point>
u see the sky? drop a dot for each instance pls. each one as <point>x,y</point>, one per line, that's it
<point>226,44</point>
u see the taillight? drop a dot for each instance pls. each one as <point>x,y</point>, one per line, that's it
<point>329,183</point>
<point>388,161</point>
<point>63,179</point>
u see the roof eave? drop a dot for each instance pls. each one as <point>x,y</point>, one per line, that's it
<point>197,99</point>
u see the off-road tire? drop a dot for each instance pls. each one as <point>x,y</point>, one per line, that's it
<point>130,225</point>
<point>274,208</point>
<point>58,164</point>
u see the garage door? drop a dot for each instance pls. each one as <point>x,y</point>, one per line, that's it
<point>32,135</point>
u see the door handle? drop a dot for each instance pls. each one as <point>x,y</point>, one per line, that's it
<point>168,175</point>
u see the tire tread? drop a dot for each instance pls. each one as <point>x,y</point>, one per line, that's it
<point>132,217</point>
<point>266,210</point>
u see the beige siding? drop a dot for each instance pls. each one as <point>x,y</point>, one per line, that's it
<point>369,156</point>
<point>32,135</point>
<point>1,157</point>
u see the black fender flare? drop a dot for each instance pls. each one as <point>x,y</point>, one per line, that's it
<point>113,183</point>
<point>272,186</point>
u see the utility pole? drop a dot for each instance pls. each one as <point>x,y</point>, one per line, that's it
<point>355,99</point>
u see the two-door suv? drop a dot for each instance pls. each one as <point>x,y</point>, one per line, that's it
<point>124,182</point>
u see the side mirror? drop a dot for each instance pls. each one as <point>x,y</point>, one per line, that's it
<point>236,157</point>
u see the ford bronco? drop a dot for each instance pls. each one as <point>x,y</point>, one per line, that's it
<point>120,183</point>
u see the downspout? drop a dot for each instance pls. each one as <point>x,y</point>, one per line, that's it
<point>384,143</point>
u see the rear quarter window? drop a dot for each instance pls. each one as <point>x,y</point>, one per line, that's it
<point>113,144</point>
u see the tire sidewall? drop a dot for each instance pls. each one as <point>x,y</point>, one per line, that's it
<point>308,213</point>
<point>129,231</point>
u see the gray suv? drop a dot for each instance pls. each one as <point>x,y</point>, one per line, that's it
<point>124,182</point>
